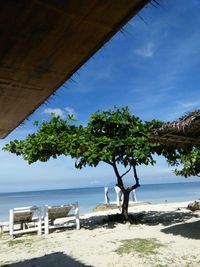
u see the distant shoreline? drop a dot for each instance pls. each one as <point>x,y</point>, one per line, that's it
<point>89,198</point>
<point>110,186</point>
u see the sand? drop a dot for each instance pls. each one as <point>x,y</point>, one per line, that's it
<point>174,228</point>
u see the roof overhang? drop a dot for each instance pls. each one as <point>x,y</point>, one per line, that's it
<point>183,132</point>
<point>44,42</point>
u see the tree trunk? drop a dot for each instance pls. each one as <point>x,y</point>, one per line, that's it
<point>126,193</point>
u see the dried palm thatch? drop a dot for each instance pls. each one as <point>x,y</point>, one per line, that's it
<point>182,132</point>
<point>43,43</point>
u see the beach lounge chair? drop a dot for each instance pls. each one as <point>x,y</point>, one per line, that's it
<point>27,219</point>
<point>52,213</point>
<point>3,225</point>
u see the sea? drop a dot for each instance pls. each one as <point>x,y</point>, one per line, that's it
<point>89,198</point>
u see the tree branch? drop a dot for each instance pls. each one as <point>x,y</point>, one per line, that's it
<point>108,162</point>
<point>117,158</point>
<point>119,178</point>
<point>126,172</point>
<point>137,184</point>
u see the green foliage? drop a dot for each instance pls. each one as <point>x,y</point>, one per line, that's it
<point>154,124</point>
<point>185,159</point>
<point>116,137</point>
<point>113,136</point>
<point>142,246</point>
<point>53,138</point>
<point>110,136</point>
<point>188,161</point>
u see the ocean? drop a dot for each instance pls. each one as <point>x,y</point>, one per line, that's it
<point>89,198</point>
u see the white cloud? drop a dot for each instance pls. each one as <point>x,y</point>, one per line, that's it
<point>190,104</point>
<point>61,112</point>
<point>146,51</point>
<point>55,111</point>
<point>71,111</point>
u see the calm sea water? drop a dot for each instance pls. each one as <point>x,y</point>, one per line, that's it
<point>89,198</point>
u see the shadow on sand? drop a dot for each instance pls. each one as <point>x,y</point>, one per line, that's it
<point>189,230</point>
<point>145,218</point>
<point>148,218</point>
<point>95,222</point>
<point>57,259</point>
<point>166,218</point>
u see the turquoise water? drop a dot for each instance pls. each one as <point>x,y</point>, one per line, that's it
<point>89,198</point>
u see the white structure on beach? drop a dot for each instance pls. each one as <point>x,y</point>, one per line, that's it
<point>37,219</point>
<point>107,199</point>
<point>119,196</point>
<point>133,195</point>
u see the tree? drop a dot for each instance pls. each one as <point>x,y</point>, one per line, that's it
<point>115,137</point>
<point>118,138</point>
<point>186,160</point>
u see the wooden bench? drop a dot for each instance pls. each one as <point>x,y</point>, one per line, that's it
<point>51,213</point>
<point>3,225</point>
<point>36,219</point>
<point>22,217</point>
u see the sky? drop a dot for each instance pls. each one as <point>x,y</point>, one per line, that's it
<point>153,67</point>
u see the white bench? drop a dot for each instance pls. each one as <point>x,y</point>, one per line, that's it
<point>31,219</point>
<point>24,216</point>
<point>3,225</point>
<point>51,213</point>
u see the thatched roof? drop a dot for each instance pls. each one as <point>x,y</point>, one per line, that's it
<point>44,42</point>
<point>182,132</point>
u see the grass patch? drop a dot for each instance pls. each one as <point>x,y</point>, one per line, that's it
<point>139,245</point>
<point>16,242</point>
<point>103,207</point>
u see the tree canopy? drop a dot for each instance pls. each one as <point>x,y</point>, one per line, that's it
<point>115,137</point>
<point>186,161</point>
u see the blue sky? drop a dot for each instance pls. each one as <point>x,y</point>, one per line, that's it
<point>153,67</point>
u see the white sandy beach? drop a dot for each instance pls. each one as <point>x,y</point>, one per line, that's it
<point>174,228</point>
